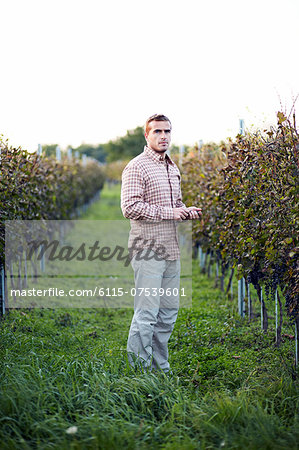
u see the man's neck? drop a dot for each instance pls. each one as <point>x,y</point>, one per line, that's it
<point>158,153</point>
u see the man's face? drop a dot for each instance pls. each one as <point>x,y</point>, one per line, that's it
<point>159,136</point>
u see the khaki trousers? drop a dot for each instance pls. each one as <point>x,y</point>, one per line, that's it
<point>156,305</point>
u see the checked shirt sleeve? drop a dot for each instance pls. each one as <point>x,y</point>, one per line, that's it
<point>179,203</point>
<point>133,204</point>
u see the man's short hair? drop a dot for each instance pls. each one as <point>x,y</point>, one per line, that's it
<point>158,118</point>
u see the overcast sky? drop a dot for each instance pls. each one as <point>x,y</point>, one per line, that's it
<point>76,71</point>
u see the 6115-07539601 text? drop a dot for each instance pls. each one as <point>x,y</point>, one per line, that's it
<point>97,292</point>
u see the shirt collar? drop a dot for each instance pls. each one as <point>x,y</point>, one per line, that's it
<point>155,155</point>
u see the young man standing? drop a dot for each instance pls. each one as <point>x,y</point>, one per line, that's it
<point>151,198</point>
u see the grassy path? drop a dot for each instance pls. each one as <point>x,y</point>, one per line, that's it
<point>108,206</point>
<point>65,382</point>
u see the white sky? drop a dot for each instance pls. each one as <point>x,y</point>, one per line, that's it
<point>76,71</point>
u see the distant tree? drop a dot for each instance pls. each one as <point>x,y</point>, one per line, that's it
<point>174,149</point>
<point>123,148</point>
<point>49,149</point>
<point>126,147</point>
<point>93,151</point>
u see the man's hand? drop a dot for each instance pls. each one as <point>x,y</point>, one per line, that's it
<point>187,213</point>
<point>194,212</point>
<point>180,213</point>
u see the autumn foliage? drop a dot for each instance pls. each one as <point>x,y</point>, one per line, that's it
<point>35,187</point>
<point>248,190</point>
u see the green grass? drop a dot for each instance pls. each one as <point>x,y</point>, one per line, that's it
<point>108,207</point>
<point>231,387</point>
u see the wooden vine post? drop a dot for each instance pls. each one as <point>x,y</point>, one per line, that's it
<point>241,296</point>
<point>2,289</point>
<point>278,318</point>
<point>296,341</point>
<point>249,302</point>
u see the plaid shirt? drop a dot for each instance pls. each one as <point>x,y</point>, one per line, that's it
<point>150,190</point>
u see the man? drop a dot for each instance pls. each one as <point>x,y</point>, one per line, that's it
<point>151,198</point>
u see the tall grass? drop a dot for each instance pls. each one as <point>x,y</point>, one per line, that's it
<point>66,383</point>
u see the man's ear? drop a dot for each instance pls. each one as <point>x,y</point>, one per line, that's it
<point>145,135</point>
